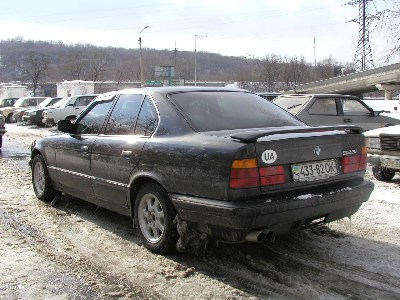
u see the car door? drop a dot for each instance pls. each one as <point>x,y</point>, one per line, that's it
<point>356,113</point>
<point>73,152</point>
<point>116,152</point>
<point>321,111</point>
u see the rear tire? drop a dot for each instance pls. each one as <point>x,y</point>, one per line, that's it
<point>1,141</point>
<point>154,219</point>
<point>10,118</point>
<point>41,181</point>
<point>383,174</point>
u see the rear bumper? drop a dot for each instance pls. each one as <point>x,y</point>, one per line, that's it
<point>32,120</point>
<point>279,213</point>
<point>387,161</point>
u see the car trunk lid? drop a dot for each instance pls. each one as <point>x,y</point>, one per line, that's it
<point>298,157</point>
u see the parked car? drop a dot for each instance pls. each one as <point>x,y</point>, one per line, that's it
<point>68,110</point>
<point>23,102</point>
<point>35,115</point>
<point>383,148</point>
<point>333,109</point>
<point>6,102</point>
<point>2,128</point>
<point>224,162</point>
<point>19,113</point>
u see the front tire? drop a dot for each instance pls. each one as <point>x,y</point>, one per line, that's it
<point>383,174</point>
<point>41,181</point>
<point>154,219</point>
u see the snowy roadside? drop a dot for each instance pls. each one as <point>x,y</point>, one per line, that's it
<point>74,250</point>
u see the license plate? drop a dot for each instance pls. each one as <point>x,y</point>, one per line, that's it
<point>314,170</point>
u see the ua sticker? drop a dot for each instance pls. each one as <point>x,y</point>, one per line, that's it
<point>269,156</point>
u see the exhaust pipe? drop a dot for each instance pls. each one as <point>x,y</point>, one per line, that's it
<point>259,236</point>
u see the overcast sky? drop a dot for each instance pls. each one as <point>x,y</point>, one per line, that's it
<point>233,27</point>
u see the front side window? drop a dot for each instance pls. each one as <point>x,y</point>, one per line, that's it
<point>83,101</point>
<point>323,106</point>
<point>124,115</point>
<point>351,107</point>
<point>92,122</point>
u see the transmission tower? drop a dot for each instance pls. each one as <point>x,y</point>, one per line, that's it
<point>363,57</point>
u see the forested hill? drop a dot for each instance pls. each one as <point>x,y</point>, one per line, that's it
<point>89,62</point>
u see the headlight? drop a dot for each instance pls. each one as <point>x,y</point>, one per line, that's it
<point>373,142</point>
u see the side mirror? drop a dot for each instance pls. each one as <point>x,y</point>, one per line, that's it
<point>64,126</point>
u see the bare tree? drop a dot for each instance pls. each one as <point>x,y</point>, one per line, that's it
<point>387,22</point>
<point>97,63</point>
<point>325,68</point>
<point>271,70</point>
<point>33,67</point>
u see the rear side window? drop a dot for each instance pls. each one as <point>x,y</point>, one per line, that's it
<point>124,115</point>
<point>291,104</point>
<point>147,120</point>
<point>211,111</point>
<point>324,106</point>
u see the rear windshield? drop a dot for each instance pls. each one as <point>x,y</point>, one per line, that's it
<point>211,111</point>
<point>291,104</point>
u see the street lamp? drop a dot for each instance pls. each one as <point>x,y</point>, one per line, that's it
<point>252,66</point>
<point>195,56</point>
<point>140,57</point>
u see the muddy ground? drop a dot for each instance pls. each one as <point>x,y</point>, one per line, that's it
<point>74,250</point>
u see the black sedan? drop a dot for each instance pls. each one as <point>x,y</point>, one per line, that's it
<point>223,163</point>
<point>35,114</point>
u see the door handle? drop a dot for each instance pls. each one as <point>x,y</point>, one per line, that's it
<point>84,148</point>
<point>127,153</point>
<point>347,120</point>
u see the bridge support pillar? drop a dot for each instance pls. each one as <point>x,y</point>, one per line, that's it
<point>388,88</point>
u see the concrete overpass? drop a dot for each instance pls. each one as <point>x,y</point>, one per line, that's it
<point>385,78</point>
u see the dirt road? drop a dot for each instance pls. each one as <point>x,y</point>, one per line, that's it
<point>75,250</point>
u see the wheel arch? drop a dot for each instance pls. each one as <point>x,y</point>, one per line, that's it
<point>70,117</point>
<point>137,183</point>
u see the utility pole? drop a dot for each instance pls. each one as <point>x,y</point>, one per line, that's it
<point>140,57</point>
<point>363,57</point>
<point>252,67</point>
<point>175,54</point>
<point>195,56</point>
<point>314,57</point>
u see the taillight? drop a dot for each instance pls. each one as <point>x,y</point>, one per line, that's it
<point>355,163</point>
<point>246,174</point>
<point>272,175</point>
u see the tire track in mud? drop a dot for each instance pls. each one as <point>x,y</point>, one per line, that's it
<point>289,268</point>
<point>95,282</point>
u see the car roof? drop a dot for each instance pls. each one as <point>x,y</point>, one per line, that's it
<point>167,90</point>
<point>317,95</point>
